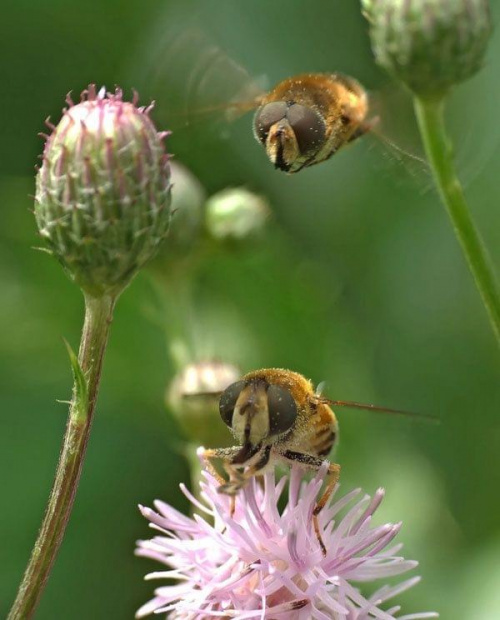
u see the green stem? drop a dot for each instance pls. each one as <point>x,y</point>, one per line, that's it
<point>439,152</point>
<point>98,316</point>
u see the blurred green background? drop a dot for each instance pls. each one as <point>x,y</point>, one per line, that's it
<point>359,281</point>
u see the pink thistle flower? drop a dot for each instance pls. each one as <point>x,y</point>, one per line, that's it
<point>265,563</point>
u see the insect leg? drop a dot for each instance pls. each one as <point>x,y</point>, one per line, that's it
<point>208,456</point>
<point>238,479</point>
<point>314,463</point>
<point>225,455</point>
<point>254,469</point>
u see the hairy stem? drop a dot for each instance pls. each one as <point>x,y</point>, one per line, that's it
<point>439,152</point>
<point>98,316</point>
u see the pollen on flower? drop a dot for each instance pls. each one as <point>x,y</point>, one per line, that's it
<point>260,562</point>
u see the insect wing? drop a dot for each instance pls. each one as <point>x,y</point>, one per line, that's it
<point>394,135</point>
<point>378,409</point>
<point>195,80</point>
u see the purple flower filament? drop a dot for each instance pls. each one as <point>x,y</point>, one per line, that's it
<point>262,563</point>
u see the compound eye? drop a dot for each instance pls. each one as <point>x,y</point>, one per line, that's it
<point>308,126</point>
<point>267,116</point>
<point>227,401</point>
<point>282,409</point>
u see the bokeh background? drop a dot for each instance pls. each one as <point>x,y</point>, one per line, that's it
<point>358,281</point>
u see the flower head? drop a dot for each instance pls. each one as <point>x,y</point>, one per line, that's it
<point>188,199</point>
<point>193,398</point>
<point>261,562</point>
<point>103,191</point>
<point>430,45</point>
<point>236,214</point>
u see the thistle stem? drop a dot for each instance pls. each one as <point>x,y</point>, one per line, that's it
<point>440,155</point>
<point>98,316</point>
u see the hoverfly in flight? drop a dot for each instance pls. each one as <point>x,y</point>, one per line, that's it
<point>302,121</point>
<point>306,119</point>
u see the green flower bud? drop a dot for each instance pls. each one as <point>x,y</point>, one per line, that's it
<point>430,45</point>
<point>193,398</point>
<point>235,214</point>
<point>188,198</point>
<point>103,191</point>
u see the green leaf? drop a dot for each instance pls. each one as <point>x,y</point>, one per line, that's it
<point>80,389</point>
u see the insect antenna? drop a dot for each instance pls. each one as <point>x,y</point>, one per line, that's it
<point>215,394</point>
<point>231,110</point>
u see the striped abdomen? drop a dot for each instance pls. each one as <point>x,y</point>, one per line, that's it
<point>326,432</point>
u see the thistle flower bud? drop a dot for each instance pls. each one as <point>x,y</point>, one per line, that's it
<point>188,198</point>
<point>193,398</point>
<point>235,214</point>
<point>103,191</point>
<point>430,45</point>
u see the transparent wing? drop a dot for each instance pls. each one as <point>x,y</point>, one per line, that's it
<point>395,134</point>
<point>468,118</point>
<point>192,78</point>
<point>471,117</point>
<point>425,417</point>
